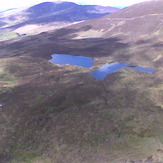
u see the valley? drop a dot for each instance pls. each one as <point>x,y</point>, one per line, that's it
<point>52,113</point>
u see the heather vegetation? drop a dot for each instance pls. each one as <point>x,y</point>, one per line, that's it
<point>61,114</point>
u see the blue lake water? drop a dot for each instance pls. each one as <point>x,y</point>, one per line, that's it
<point>107,69</point>
<point>148,70</point>
<point>64,59</point>
<point>87,62</point>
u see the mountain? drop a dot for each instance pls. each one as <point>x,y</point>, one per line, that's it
<point>55,113</point>
<point>68,11</point>
<point>50,14</point>
<point>134,19</point>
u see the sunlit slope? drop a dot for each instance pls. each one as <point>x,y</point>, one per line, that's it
<point>49,15</point>
<point>142,20</point>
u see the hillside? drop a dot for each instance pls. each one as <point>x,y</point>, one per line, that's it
<point>61,114</point>
<point>129,22</point>
<point>49,15</point>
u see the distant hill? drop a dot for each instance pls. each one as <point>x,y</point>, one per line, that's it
<point>88,11</point>
<point>131,22</point>
<point>50,14</point>
<point>66,11</point>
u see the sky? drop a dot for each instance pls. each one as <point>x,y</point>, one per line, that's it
<point>8,4</point>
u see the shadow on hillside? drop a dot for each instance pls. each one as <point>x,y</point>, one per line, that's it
<point>139,42</point>
<point>158,45</point>
<point>2,24</point>
<point>62,42</point>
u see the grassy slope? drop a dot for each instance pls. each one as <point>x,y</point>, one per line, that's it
<point>59,114</point>
<point>5,36</point>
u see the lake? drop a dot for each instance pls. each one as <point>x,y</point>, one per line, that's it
<point>64,59</point>
<point>87,62</point>
<point>107,69</point>
<point>148,70</point>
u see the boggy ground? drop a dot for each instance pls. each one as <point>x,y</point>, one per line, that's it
<point>61,114</point>
<point>142,51</point>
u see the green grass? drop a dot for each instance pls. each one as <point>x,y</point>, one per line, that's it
<point>8,35</point>
<point>25,156</point>
<point>6,78</point>
<point>60,108</point>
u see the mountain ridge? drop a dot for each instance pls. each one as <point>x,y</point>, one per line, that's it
<point>50,14</point>
<point>124,22</point>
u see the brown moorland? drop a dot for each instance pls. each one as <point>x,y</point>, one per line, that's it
<point>61,114</point>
